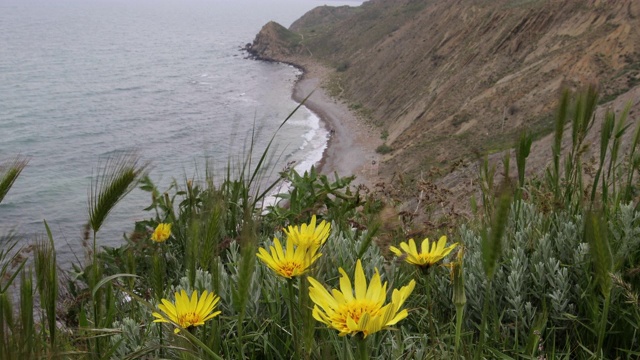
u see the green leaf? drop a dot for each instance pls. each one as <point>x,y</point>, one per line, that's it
<point>108,279</point>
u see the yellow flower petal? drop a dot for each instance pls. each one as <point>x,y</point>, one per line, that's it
<point>395,250</point>
<point>321,295</point>
<point>430,252</point>
<point>364,313</point>
<point>345,285</point>
<point>441,243</point>
<point>309,235</point>
<point>361,282</point>
<point>187,312</point>
<point>425,246</point>
<point>412,246</point>
<point>291,262</point>
<point>375,285</point>
<point>161,233</point>
<point>399,316</point>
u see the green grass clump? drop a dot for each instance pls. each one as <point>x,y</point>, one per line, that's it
<point>342,66</point>
<point>384,149</point>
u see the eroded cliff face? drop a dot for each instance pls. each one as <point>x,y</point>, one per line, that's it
<point>274,42</point>
<point>450,79</point>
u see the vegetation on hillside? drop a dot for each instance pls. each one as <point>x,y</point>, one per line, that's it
<point>457,79</point>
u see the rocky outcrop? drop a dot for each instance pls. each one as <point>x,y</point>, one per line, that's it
<point>274,42</point>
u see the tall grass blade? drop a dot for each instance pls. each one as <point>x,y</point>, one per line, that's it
<point>116,179</point>
<point>47,281</point>
<point>211,354</point>
<point>487,176</point>
<point>459,296</point>
<point>266,151</point>
<point>192,250</point>
<point>4,326</point>
<point>522,152</point>
<point>9,172</point>
<point>618,132</point>
<point>602,258</point>
<point>605,138</point>
<point>108,279</point>
<point>535,336</point>
<point>583,115</point>
<point>600,251</point>
<point>492,242</point>
<point>27,332</point>
<point>246,268</point>
<point>556,149</point>
<point>631,166</point>
<point>582,119</point>
<point>9,258</point>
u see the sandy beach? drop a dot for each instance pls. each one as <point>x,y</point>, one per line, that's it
<point>352,143</point>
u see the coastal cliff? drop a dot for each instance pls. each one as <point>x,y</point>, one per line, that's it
<point>446,81</point>
<point>274,42</point>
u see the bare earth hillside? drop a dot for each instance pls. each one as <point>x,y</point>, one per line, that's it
<point>448,80</point>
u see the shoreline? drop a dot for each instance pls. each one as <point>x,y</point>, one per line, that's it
<point>351,145</point>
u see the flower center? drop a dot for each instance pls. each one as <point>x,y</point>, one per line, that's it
<point>430,259</point>
<point>354,310</point>
<point>188,319</point>
<point>290,268</point>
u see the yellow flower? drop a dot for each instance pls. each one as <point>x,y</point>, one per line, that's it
<point>427,255</point>
<point>360,309</point>
<point>161,233</point>
<point>309,235</point>
<point>188,312</point>
<point>289,263</point>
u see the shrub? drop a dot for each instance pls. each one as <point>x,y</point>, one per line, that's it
<point>342,66</point>
<point>384,149</point>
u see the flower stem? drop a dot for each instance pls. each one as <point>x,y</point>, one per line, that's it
<point>459,313</point>
<point>363,351</point>
<point>483,324</point>
<point>96,295</point>
<point>307,319</point>
<point>161,340</point>
<point>193,340</point>
<point>428,280</point>
<point>294,330</point>
<point>603,322</point>
<point>158,262</point>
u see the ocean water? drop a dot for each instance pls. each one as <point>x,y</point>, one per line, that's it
<point>82,80</point>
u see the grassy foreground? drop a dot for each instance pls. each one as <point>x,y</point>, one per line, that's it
<point>547,267</point>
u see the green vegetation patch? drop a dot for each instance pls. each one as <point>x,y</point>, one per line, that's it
<point>384,149</point>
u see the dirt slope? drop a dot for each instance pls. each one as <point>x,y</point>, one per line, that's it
<point>448,80</point>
